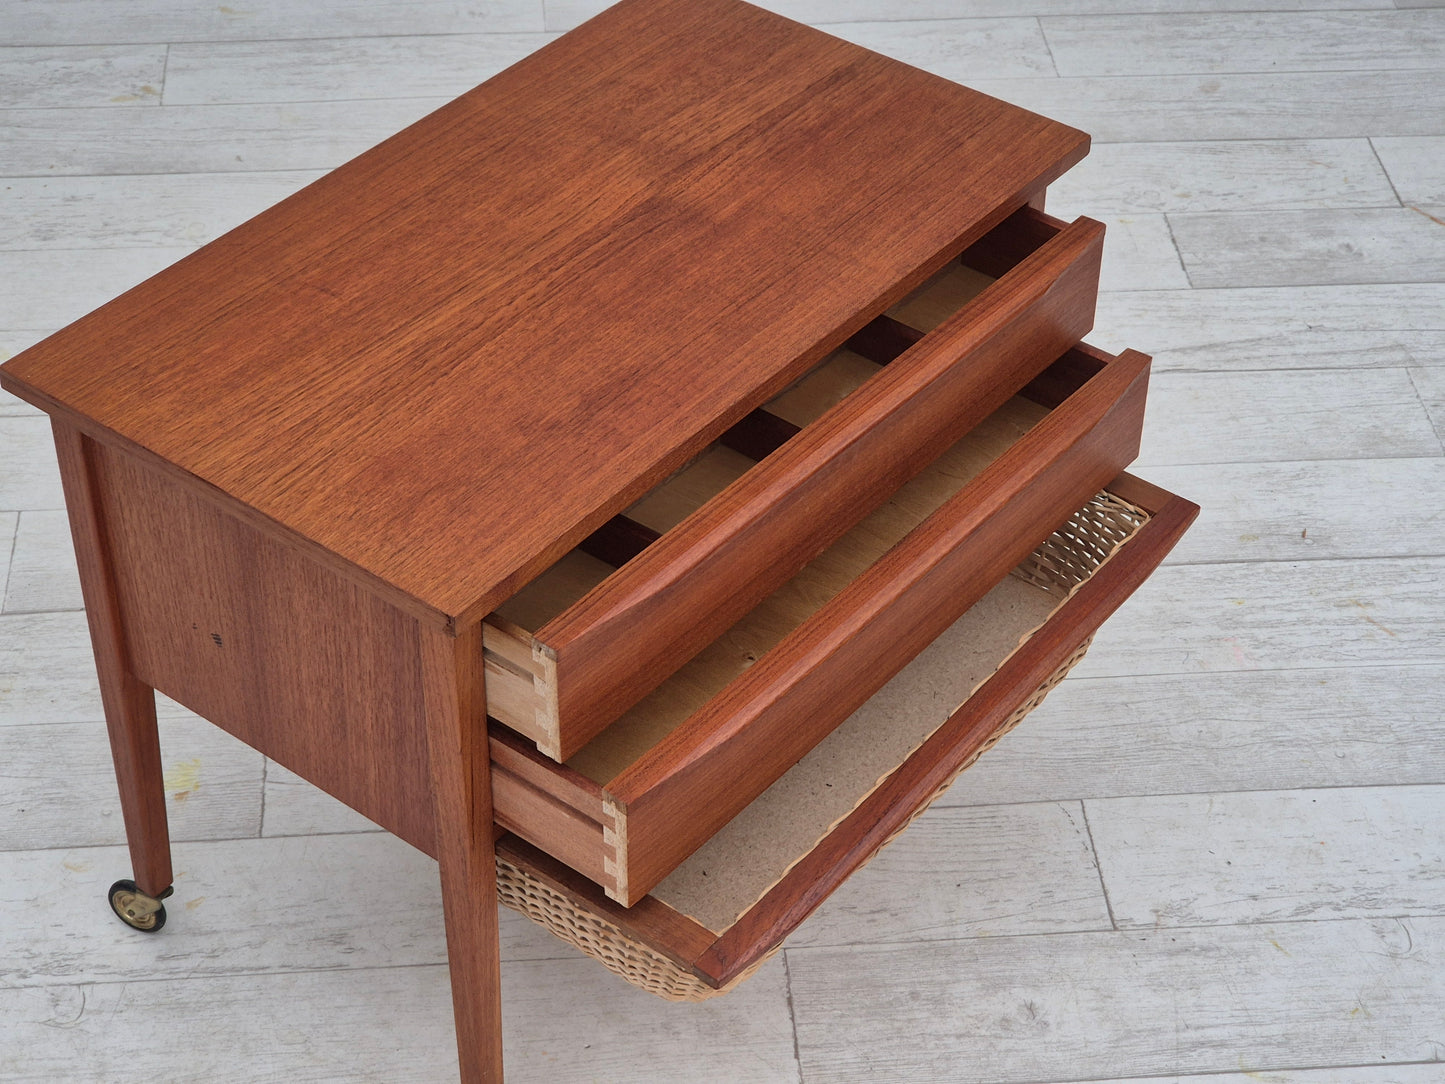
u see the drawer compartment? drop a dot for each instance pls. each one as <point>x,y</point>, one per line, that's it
<point>728,907</point>
<point>648,791</point>
<point>587,639</point>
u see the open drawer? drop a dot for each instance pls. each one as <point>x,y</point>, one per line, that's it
<point>725,910</point>
<point>655,585</point>
<point>632,804</point>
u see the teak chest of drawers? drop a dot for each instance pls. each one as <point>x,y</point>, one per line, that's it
<point>663,399</point>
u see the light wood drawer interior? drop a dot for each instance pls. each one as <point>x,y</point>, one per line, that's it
<point>574,649</point>
<point>706,674</point>
<point>653,785</point>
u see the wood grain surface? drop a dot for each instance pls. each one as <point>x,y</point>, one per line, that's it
<point>130,703</point>
<point>439,394</point>
<point>454,696</point>
<point>283,653</point>
<point>620,640</point>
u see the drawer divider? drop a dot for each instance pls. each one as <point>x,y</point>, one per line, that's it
<point>620,539</point>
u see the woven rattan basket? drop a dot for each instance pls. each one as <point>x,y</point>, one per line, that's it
<point>1065,560</point>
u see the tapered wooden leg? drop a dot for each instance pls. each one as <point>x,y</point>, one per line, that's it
<point>130,704</point>
<point>454,687</point>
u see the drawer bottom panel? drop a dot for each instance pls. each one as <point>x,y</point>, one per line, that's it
<point>724,911</point>
<point>523,886</point>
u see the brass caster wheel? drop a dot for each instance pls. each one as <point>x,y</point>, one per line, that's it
<point>136,909</point>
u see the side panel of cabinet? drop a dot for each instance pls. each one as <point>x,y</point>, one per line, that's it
<point>282,653</point>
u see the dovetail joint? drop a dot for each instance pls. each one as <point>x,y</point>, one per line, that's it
<point>614,838</point>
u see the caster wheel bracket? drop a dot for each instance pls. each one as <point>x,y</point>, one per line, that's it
<point>137,909</point>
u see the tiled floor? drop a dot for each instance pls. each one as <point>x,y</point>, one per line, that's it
<point>1217,851</point>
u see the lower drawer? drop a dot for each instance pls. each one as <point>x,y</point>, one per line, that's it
<point>729,907</point>
<point>657,784</point>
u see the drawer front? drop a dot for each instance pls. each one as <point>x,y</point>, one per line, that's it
<point>670,946</point>
<point>602,654</point>
<point>681,790</point>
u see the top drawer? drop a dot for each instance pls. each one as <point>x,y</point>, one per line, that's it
<point>604,626</point>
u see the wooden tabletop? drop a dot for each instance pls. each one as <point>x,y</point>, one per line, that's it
<point>445,363</point>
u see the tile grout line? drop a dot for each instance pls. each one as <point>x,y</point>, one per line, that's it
<point>1296,560</point>
<point>792,1014</point>
<point>1206,74</point>
<point>165,72</point>
<point>1151,929</point>
<point>989,79</point>
<point>218,173</point>
<point>255,974</point>
<point>571,957</point>
<point>10,561</point>
<point>1429,415</point>
<point>1293,458</point>
<point>1337,283</point>
<point>1183,370</point>
<point>188,841</point>
<point>1098,864</point>
<point>1356,138</point>
<point>122,110</point>
<point>379,830</point>
<point>1176,1079</point>
<point>1292,286</point>
<point>940,809</point>
<point>1186,793</point>
<point>265,774</point>
<point>971,938</point>
<point>544,29</point>
<point>1044,36</point>
<point>1273,212</point>
<point>159,173</point>
<point>241,42</point>
<point>1321,669</point>
<point>1384,169</point>
<point>1178,254</point>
